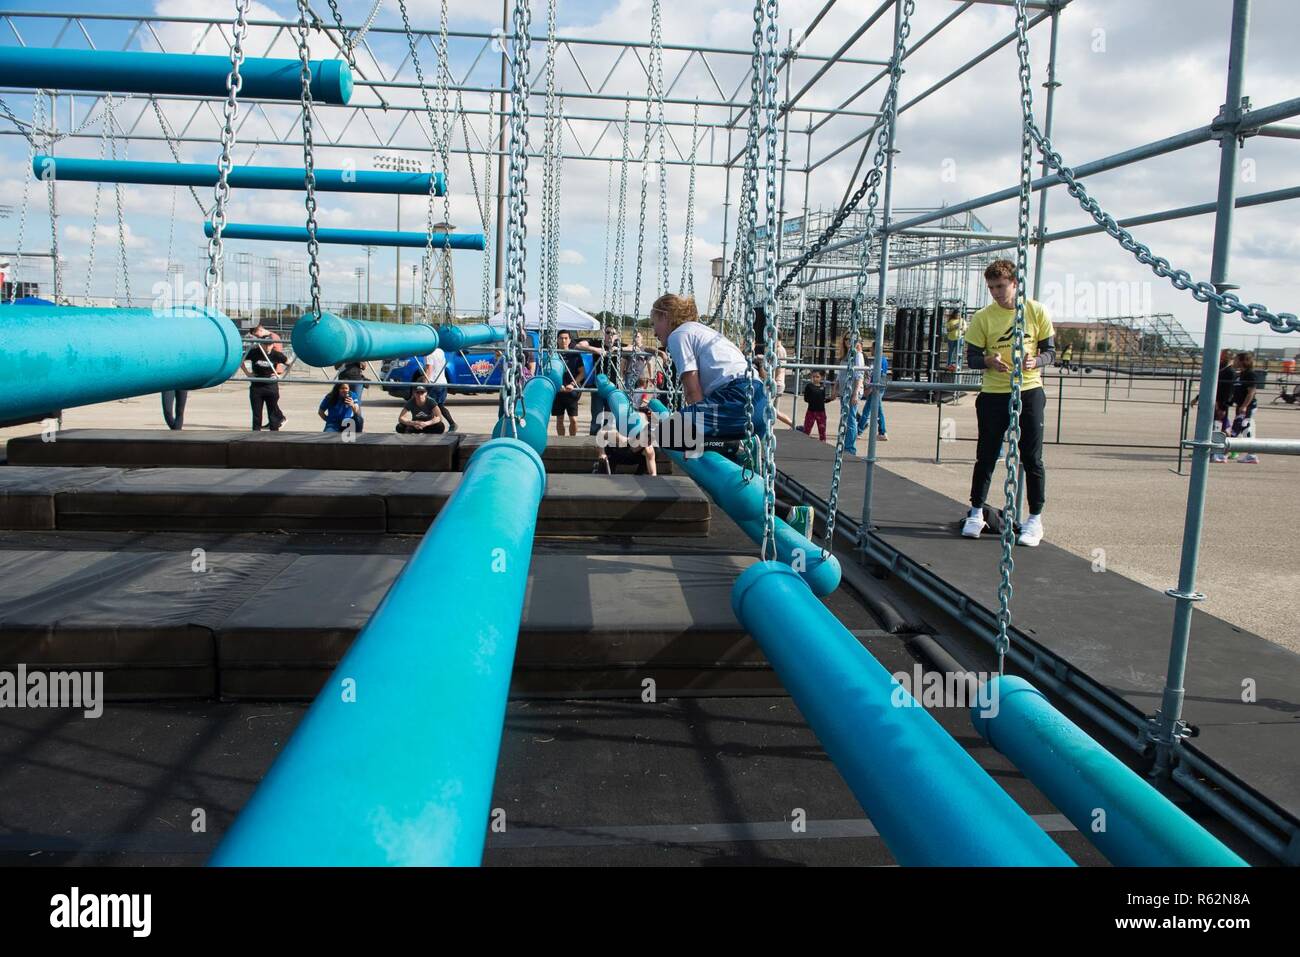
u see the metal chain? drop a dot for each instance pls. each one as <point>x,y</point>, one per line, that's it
<point>747,227</point>
<point>435,157</point>
<point>38,120</point>
<point>221,192</point>
<point>309,160</point>
<point>553,240</point>
<point>870,181</point>
<point>645,165</point>
<point>687,287</point>
<point>169,136</point>
<point>517,231</point>
<point>99,190</point>
<point>609,215</point>
<point>347,41</point>
<point>657,54</point>
<point>546,263</point>
<point>22,213</point>
<point>889,116</point>
<point>444,143</point>
<point>486,208</point>
<point>768,549</point>
<point>1011,479</point>
<point>620,226</point>
<point>125,270</point>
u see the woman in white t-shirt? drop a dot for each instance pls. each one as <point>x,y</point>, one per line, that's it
<point>712,371</point>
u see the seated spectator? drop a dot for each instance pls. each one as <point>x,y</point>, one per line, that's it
<point>617,449</point>
<point>421,414</point>
<point>338,409</point>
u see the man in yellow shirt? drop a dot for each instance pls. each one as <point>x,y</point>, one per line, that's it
<point>954,328</point>
<point>988,347</point>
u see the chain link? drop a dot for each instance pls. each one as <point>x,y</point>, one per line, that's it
<point>345,40</point>
<point>768,548</point>
<point>444,143</point>
<point>99,190</point>
<point>657,54</point>
<point>308,158</point>
<point>517,231</point>
<point>620,228</point>
<point>125,266</point>
<point>22,213</point>
<point>884,133</point>
<point>645,157</point>
<point>221,191</point>
<point>38,121</point>
<point>687,287</point>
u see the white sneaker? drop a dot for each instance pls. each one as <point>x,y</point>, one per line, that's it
<point>1031,532</point>
<point>974,524</point>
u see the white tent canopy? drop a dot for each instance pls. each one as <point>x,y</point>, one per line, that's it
<point>568,317</point>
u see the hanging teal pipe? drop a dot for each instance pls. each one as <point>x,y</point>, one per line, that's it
<point>174,74</point>
<point>240,177</point>
<point>538,397</point>
<point>335,340</point>
<point>1131,822</point>
<point>393,764</point>
<point>348,237</point>
<point>741,497</point>
<point>932,804</point>
<point>627,420</point>
<point>61,357</point>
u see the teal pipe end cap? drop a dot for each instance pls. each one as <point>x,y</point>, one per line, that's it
<point>323,343</point>
<point>531,432</point>
<point>335,85</point>
<point>554,370</point>
<point>1001,688</point>
<point>822,574</point>
<point>517,447</point>
<point>750,577</point>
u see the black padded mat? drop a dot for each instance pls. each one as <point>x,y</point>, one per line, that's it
<point>119,448</point>
<point>145,618</point>
<point>565,454</point>
<point>368,451</point>
<point>27,492</point>
<point>1112,628</point>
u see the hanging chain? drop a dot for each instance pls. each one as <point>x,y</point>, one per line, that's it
<point>1011,480</point>
<point>169,136</point>
<point>768,549</point>
<point>99,190</point>
<point>125,270</point>
<point>517,231</point>
<point>609,215</point>
<point>444,143</point>
<point>435,156</point>
<point>546,264</point>
<point>22,213</point>
<point>645,163</point>
<point>889,116</point>
<point>553,240</point>
<point>54,216</point>
<point>657,54</point>
<point>215,294</point>
<point>347,41</point>
<point>309,161</point>
<point>487,204</point>
<point>687,286</point>
<point>871,181</point>
<point>620,224</point>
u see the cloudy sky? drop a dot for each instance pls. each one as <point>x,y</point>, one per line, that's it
<point>1132,71</point>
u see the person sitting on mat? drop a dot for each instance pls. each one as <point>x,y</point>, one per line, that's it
<point>615,448</point>
<point>435,374</point>
<point>715,389</point>
<point>338,408</point>
<point>421,415</point>
<point>988,347</point>
<point>814,395</point>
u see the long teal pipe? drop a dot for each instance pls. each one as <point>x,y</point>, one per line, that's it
<point>741,497</point>
<point>538,399</point>
<point>393,763</point>
<point>335,340</point>
<point>175,74</point>
<point>347,237</point>
<point>61,357</point>
<point>932,804</point>
<point>1128,820</point>
<point>240,177</point>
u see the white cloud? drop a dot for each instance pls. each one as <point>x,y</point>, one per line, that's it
<point>571,257</point>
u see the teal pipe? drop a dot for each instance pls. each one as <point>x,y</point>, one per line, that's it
<point>240,177</point>
<point>174,74</point>
<point>456,338</point>
<point>933,805</point>
<point>538,398</point>
<point>348,237</point>
<point>741,497</point>
<point>335,340</point>
<point>627,420</point>
<point>393,763</point>
<point>61,357</point>
<point>1128,820</point>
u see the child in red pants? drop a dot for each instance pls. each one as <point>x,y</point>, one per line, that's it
<point>814,394</point>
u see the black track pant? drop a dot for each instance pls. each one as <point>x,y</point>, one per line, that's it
<point>994,418</point>
<point>173,406</point>
<point>265,396</point>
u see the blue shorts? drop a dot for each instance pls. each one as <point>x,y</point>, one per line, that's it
<point>439,394</point>
<point>722,412</point>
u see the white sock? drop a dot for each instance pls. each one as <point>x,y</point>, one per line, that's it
<point>976,511</point>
